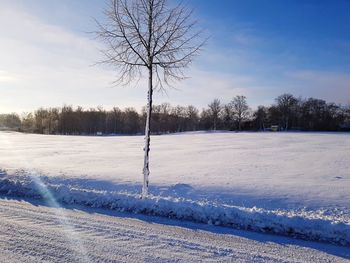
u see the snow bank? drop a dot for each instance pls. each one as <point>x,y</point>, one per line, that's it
<point>315,225</point>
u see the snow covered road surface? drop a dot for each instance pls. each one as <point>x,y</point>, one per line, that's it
<point>33,232</point>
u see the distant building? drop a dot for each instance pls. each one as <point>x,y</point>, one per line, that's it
<point>274,128</point>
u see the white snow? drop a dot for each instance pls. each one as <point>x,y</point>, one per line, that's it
<point>31,231</point>
<point>288,183</point>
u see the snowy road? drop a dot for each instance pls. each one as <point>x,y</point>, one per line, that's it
<point>34,232</point>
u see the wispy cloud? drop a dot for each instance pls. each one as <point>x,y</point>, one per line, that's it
<point>6,77</point>
<point>329,85</point>
<point>247,37</point>
<point>47,64</point>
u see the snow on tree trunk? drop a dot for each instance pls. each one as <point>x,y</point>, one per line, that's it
<point>147,137</point>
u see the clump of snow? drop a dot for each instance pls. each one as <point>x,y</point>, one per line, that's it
<point>315,225</point>
<point>180,189</point>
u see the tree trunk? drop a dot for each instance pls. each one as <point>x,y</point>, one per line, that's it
<point>147,137</point>
<point>115,125</point>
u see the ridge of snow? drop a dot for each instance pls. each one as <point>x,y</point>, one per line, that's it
<point>308,225</point>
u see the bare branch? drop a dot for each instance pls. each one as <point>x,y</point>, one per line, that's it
<point>147,33</point>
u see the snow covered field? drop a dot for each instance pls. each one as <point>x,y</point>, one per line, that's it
<point>288,183</point>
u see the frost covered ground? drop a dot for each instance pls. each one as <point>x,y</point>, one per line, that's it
<point>293,184</point>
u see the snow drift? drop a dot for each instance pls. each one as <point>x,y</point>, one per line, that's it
<point>314,225</point>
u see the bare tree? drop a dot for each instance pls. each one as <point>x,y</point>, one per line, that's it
<point>286,104</point>
<point>260,116</point>
<point>215,110</point>
<point>241,109</point>
<point>148,36</point>
<point>228,116</point>
<point>192,115</point>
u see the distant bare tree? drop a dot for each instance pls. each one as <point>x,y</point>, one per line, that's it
<point>116,117</point>
<point>227,116</point>
<point>260,116</point>
<point>28,122</point>
<point>11,121</point>
<point>241,109</point>
<point>347,110</point>
<point>192,115</point>
<point>149,36</point>
<point>286,104</point>
<point>215,110</point>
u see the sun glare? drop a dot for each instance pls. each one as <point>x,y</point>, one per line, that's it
<point>69,232</point>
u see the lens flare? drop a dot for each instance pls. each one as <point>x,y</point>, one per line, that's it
<point>75,243</point>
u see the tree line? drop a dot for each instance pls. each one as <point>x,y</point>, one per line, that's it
<point>287,113</point>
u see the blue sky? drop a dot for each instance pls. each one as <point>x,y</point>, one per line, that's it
<point>260,49</point>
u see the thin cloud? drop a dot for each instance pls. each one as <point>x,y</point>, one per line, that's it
<point>6,77</point>
<point>44,64</point>
<point>328,85</point>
